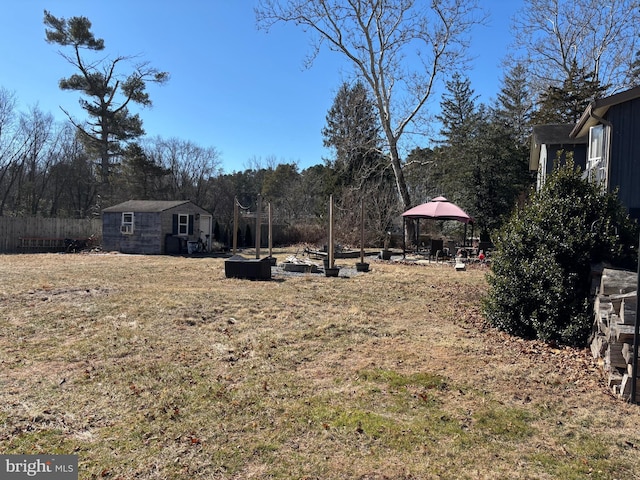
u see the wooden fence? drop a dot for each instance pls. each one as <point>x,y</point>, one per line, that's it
<point>20,234</point>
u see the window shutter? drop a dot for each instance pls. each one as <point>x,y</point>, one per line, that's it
<point>191,219</point>
<point>175,223</point>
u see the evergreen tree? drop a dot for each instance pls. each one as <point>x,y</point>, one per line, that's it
<point>281,187</point>
<point>143,177</point>
<point>108,95</point>
<point>458,112</point>
<point>501,170</point>
<point>353,132</point>
<point>454,161</point>
<point>514,107</point>
<point>360,170</point>
<point>565,104</point>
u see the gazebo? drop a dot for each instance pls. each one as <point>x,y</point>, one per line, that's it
<point>438,208</point>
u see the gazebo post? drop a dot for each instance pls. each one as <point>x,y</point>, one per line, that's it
<point>404,241</point>
<point>473,228</point>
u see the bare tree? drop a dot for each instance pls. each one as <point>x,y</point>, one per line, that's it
<point>8,139</point>
<point>38,130</point>
<point>10,147</point>
<point>191,166</point>
<point>74,185</point>
<point>601,37</point>
<point>400,50</point>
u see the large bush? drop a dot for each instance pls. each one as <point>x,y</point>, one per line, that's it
<point>541,271</point>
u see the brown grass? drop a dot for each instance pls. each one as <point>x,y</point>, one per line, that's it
<point>162,368</point>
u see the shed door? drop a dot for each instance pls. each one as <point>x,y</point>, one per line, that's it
<point>205,230</point>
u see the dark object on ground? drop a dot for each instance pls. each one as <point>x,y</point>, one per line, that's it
<point>248,268</point>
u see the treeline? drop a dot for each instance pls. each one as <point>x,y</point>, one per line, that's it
<point>479,161</point>
<point>46,170</point>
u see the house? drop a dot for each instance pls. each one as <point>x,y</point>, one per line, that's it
<point>612,125</point>
<point>155,227</point>
<point>550,145</point>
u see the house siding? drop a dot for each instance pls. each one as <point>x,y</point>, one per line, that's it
<point>557,156</point>
<point>624,162</point>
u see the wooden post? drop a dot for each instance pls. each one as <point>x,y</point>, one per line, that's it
<point>636,339</point>
<point>362,230</point>
<point>270,234</point>
<point>330,253</point>
<point>235,224</point>
<point>258,225</point>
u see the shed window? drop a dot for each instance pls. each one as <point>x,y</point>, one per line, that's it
<point>126,226</point>
<point>183,224</point>
<point>598,162</point>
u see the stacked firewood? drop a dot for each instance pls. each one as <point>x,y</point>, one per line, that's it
<point>613,329</point>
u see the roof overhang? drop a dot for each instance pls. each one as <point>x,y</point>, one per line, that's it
<point>597,109</point>
<point>551,134</point>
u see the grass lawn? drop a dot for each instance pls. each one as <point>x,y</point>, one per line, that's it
<point>156,367</point>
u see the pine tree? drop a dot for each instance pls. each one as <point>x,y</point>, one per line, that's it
<point>514,107</point>
<point>459,118</point>
<point>565,104</point>
<point>360,169</point>
<point>458,112</point>
<point>109,96</point>
<point>353,131</point>
<point>501,169</point>
<point>141,174</point>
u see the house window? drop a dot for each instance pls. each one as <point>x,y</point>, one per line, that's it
<point>542,167</point>
<point>126,226</point>
<point>183,224</point>
<point>597,157</point>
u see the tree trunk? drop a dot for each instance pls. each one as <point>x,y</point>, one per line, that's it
<point>401,184</point>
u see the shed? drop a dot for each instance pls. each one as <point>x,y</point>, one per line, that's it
<point>155,227</point>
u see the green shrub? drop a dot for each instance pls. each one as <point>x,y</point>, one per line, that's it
<point>541,270</point>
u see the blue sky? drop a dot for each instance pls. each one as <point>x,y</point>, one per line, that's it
<point>242,91</point>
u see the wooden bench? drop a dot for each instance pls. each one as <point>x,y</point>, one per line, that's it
<point>49,244</point>
<point>41,244</point>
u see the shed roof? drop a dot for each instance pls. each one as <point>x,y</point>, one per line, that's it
<point>148,206</point>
